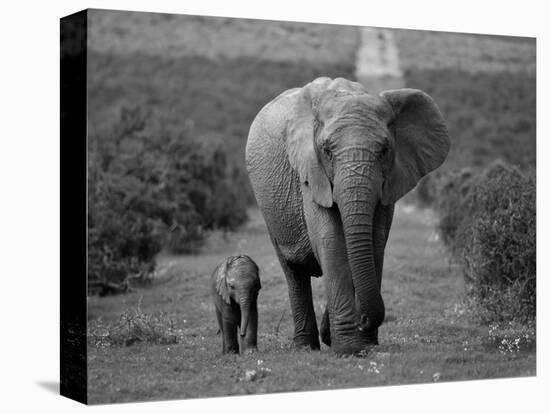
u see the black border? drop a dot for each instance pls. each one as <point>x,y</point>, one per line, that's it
<point>73,206</point>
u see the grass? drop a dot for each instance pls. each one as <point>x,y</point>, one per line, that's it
<point>472,53</point>
<point>428,334</point>
<point>177,35</point>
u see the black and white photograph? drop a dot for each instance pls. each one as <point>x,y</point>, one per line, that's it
<point>267,206</point>
<point>283,206</point>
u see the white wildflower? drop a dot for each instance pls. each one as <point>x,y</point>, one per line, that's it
<point>250,375</point>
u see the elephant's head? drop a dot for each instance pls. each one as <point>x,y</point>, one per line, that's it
<point>239,280</point>
<point>353,150</point>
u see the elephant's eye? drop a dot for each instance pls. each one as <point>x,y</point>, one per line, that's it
<point>384,151</point>
<point>328,153</point>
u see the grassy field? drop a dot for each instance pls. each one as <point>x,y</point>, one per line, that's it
<point>472,53</point>
<point>177,35</point>
<point>427,336</point>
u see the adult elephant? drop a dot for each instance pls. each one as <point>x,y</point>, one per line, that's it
<point>327,163</point>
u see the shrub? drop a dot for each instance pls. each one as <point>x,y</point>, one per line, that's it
<point>488,220</point>
<point>452,201</point>
<point>133,326</point>
<point>148,189</point>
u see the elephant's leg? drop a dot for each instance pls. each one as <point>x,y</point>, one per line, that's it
<point>301,305</point>
<point>220,327</point>
<point>339,327</point>
<point>250,341</point>
<point>325,328</point>
<point>230,328</point>
<point>230,342</point>
<point>339,324</point>
<point>330,247</point>
<point>383,217</point>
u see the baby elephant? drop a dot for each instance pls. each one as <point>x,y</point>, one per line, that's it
<point>235,284</point>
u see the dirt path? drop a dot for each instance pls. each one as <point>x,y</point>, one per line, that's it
<point>377,61</point>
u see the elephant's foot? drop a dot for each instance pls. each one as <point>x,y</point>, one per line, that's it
<point>302,341</point>
<point>249,344</point>
<point>250,350</point>
<point>359,345</point>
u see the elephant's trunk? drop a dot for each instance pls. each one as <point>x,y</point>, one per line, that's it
<point>245,315</point>
<point>357,194</point>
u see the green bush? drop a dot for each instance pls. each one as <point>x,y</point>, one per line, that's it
<point>150,189</point>
<point>488,220</point>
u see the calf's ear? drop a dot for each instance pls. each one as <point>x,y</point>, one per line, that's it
<point>221,282</point>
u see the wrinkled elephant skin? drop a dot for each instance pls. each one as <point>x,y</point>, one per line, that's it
<point>327,163</point>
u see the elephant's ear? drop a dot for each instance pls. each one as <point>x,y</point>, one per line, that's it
<point>421,140</point>
<point>302,154</point>
<point>221,282</point>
